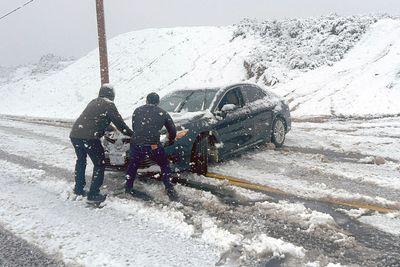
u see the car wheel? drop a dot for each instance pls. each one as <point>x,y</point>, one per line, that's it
<point>278,132</point>
<point>200,156</point>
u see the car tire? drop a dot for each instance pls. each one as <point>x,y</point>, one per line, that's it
<point>200,159</point>
<point>278,132</point>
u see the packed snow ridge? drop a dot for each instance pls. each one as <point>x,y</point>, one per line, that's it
<point>326,66</point>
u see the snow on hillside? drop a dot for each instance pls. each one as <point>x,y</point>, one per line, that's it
<point>324,66</point>
<point>48,65</point>
<point>364,83</point>
<point>140,62</point>
<point>299,44</point>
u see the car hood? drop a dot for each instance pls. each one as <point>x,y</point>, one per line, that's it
<point>183,118</point>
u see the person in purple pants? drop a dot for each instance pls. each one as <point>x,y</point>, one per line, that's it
<point>147,121</point>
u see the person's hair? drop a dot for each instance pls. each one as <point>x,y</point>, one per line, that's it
<point>153,98</point>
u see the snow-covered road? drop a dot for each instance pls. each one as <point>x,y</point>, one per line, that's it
<point>336,159</point>
<point>219,224</point>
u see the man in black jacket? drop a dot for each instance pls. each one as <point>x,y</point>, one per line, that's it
<point>85,137</point>
<point>147,121</point>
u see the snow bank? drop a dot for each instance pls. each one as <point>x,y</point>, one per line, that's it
<point>265,245</point>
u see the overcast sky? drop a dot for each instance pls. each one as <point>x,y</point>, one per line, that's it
<point>68,27</point>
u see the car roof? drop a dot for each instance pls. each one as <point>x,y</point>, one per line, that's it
<point>223,87</point>
<point>196,89</point>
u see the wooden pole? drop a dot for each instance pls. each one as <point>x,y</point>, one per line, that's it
<point>101,30</point>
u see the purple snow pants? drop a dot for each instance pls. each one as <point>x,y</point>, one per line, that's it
<point>138,153</point>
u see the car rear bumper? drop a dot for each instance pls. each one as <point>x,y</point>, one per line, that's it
<point>178,157</point>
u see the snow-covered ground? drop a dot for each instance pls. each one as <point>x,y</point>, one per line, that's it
<point>40,209</point>
<point>335,159</point>
<point>341,78</point>
<point>223,224</point>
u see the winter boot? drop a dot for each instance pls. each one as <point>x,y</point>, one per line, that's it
<point>96,198</point>
<point>172,195</point>
<point>82,193</point>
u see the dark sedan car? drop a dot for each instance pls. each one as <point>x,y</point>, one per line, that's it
<point>212,125</point>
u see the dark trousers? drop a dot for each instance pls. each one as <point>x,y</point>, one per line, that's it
<point>138,153</point>
<point>95,150</point>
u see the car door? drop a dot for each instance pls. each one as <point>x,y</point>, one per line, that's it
<point>233,126</point>
<point>257,101</point>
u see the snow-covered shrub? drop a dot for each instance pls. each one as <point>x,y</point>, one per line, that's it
<point>301,44</point>
<point>50,62</point>
<point>5,72</point>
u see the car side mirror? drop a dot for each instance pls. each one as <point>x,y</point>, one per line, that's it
<point>228,108</point>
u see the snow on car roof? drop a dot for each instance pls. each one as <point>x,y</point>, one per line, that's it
<point>224,86</point>
<point>192,89</point>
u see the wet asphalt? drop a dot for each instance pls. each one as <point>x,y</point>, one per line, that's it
<point>16,252</point>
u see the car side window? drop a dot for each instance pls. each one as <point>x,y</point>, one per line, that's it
<point>233,96</point>
<point>252,93</point>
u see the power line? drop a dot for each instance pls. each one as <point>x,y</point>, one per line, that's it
<point>18,8</point>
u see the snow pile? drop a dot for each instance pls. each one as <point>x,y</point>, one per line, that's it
<point>308,219</point>
<point>265,245</point>
<point>331,65</point>
<point>212,234</point>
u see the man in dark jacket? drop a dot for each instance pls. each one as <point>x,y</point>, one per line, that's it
<point>85,137</point>
<point>147,121</point>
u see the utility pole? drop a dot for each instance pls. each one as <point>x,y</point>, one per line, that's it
<point>101,30</point>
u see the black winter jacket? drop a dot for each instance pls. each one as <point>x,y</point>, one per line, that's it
<point>96,119</point>
<point>147,122</point>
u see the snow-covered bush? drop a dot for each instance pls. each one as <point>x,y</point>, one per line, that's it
<point>5,72</point>
<point>299,44</point>
<point>50,62</point>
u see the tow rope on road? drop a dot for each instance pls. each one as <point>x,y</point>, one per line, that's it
<point>249,185</point>
<point>245,183</point>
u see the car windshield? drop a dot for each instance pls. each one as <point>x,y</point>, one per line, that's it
<point>188,100</point>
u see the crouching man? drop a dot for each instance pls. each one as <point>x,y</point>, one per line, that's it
<point>147,121</point>
<point>85,137</point>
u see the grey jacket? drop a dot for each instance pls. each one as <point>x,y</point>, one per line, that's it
<point>96,119</point>
<point>147,122</point>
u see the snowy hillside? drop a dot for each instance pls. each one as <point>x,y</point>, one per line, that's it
<point>48,65</point>
<point>366,82</point>
<point>323,66</point>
